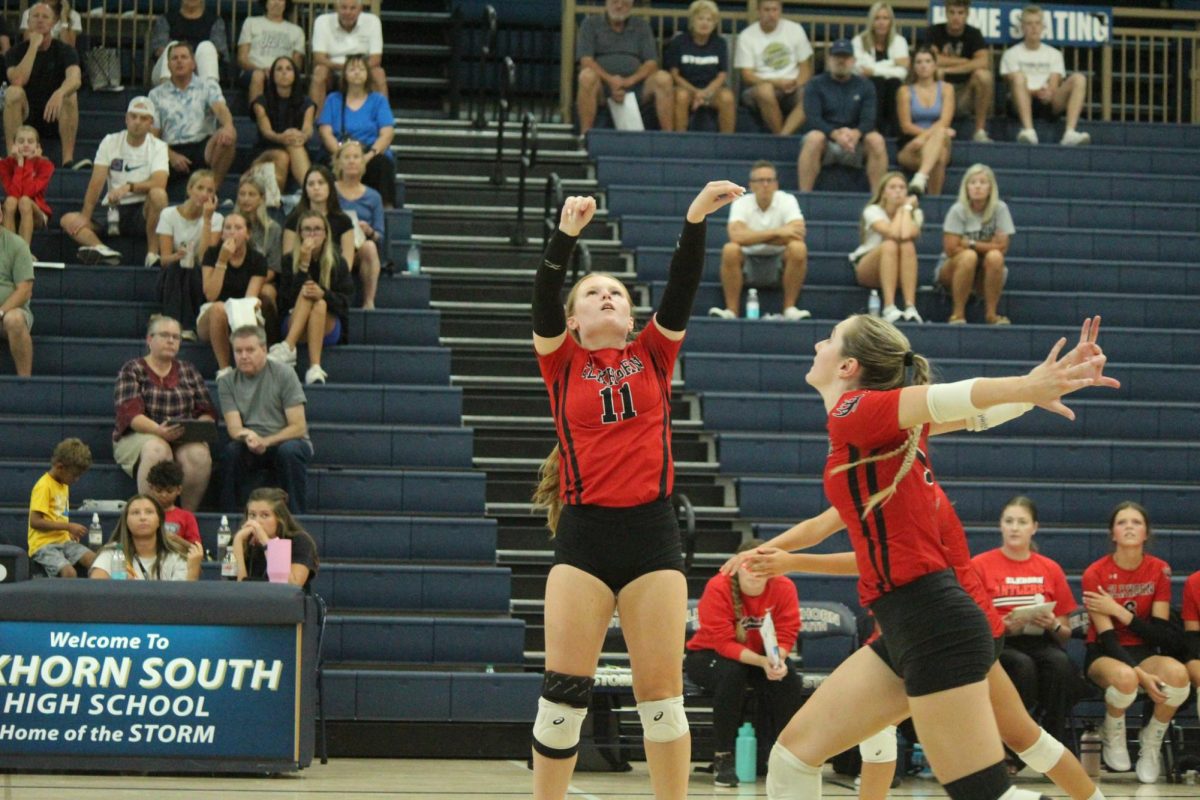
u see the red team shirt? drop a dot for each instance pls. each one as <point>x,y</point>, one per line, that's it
<point>1191,598</point>
<point>718,626</point>
<point>899,540</point>
<point>1011,584</point>
<point>612,412</point>
<point>1137,590</point>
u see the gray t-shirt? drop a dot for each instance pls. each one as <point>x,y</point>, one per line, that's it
<point>16,265</point>
<point>262,400</point>
<point>616,53</point>
<point>963,221</point>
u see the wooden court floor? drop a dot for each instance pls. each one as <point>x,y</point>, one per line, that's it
<point>363,779</point>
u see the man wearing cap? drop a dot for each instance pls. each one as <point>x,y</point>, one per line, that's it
<point>134,164</point>
<point>840,107</point>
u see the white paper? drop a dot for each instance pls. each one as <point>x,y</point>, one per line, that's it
<point>1025,613</point>
<point>770,641</point>
<point>626,116</point>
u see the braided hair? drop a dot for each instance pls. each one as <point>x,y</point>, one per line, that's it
<point>735,588</point>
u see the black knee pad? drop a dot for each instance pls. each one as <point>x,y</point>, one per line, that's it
<point>571,690</point>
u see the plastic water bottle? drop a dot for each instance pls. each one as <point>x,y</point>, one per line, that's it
<point>414,258</point>
<point>1089,751</point>
<point>873,304</point>
<point>95,532</point>
<point>118,563</point>
<point>745,760</point>
<point>752,309</point>
<point>920,764</point>
<point>114,221</point>
<point>225,550</point>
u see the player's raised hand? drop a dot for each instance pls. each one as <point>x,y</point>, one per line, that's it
<point>577,212</point>
<point>714,195</point>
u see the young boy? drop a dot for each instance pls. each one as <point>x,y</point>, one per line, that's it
<point>53,539</point>
<point>165,480</point>
<point>1037,76</point>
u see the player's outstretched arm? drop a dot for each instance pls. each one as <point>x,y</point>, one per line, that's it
<point>549,318</point>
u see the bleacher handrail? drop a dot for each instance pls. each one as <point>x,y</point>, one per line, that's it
<point>508,76</point>
<point>552,200</point>
<point>528,160</point>
<point>487,49</point>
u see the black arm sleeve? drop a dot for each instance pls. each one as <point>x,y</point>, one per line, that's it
<point>1159,633</point>
<point>1192,639</point>
<point>687,267</point>
<point>1110,647</point>
<point>549,319</point>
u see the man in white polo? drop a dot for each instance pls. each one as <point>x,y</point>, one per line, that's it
<point>347,31</point>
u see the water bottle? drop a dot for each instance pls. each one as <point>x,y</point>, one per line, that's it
<point>95,532</point>
<point>745,760</point>
<point>414,258</point>
<point>114,221</point>
<point>225,550</point>
<point>920,764</point>
<point>752,310</point>
<point>1089,751</point>
<point>118,563</point>
<point>873,305</point>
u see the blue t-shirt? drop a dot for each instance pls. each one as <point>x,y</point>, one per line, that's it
<point>368,208</point>
<point>697,64</point>
<point>362,125</point>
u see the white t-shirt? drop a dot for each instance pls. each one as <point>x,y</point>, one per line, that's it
<point>56,32</point>
<point>331,39</point>
<point>174,566</point>
<point>888,68</point>
<point>1037,65</point>
<point>129,164</point>
<point>774,55</point>
<point>783,209</point>
<point>185,233</point>
<point>269,40</point>
<point>871,215</point>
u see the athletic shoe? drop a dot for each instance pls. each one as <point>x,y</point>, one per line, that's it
<point>223,371</point>
<point>793,314</point>
<point>315,375</point>
<point>1027,136</point>
<point>152,260</point>
<point>956,320</point>
<point>724,773</point>
<point>918,183</point>
<point>1149,763</point>
<point>981,136</point>
<point>723,313</point>
<point>1114,749</point>
<point>78,164</point>
<point>1072,138</point>
<point>100,254</point>
<point>999,319</point>
<point>911,314</point>
<point>283,353</point>
<point>189,336</point>
<point>891,313</point>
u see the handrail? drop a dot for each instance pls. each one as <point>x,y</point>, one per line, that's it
<point>490,28</point>
<point>550,212</point>
<point>582,262</point>
<point>686,513</point>
<point>508,76</point>
<point>528,160</point>
<point>456,26</point>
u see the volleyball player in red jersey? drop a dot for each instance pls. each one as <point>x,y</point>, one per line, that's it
<point>1191,631</point>
<point>880,409</point>
<point>607,488</point>
<point>1131,641</point>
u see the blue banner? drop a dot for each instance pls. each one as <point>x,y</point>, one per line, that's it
<point>192,691</point>
<point>1064,26</point>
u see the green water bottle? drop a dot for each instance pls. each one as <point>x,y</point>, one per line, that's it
<point>745,761</point>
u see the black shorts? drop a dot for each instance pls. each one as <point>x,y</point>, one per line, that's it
<point>619,545</point>
<point>1139,653</point>
<point>37,121</point>
<point>133,219</point>
<point>937,637</point>
<point>194,151</point>
<point>880,648</point>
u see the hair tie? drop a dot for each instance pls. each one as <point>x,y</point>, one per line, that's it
<point>908,358</point>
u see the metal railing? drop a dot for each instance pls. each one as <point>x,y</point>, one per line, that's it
<point>552,201</point>
<point>487,48</point>
<point>507,77</point>
<point>528,160</point>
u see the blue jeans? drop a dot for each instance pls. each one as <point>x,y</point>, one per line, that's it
<point>285,465</point>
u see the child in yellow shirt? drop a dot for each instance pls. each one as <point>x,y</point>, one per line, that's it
<point>54,539</point>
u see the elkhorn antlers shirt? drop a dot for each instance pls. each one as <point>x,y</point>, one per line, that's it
<point>1136,589</point>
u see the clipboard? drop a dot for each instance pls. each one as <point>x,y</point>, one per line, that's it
<point>196,430</point>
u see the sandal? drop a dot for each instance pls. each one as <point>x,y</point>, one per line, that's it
<point>999,319</point>
<point>956,319</point>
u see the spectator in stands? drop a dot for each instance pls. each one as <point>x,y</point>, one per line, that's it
<point>367,206</point>
<point>887,254</point>
<point>232,271</point>
<point>25,175</point>
<point>266,236</point>
<point>925,108</point>
<point>263,41</point>
<point>152,393</point>
<point>727,654</point>
<point>964,60</point>
<point>1018,577</point>
<point>1038,81</point>
<point>881,54</point>
<point>1131,641</point>
<point>774,59</point>
<point>267,517</point>
<point>53,538</point>
<point>353,114</point>
<point>975,239</point>
<point>840,109</point>
<point>16,290</point>
<point>766,245</point>
<point>135,164</point>
<point>67,22</point>
<point>616,55</point>
<point>6,37</point>
<point>185,232</point>
<point>263,404</point>
<point>340,34</point>
<point>204,31</point>
<point>189,108</point>
<point>165,481</point>
<point>315,292</point>
<point>43,85</point>
<point>698,61</point>
<point>1191,631</point>
<point>149,553</point>
<point>320,194</point>
<point>284,115</point>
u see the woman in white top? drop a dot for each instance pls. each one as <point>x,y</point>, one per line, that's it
<point>975,239</point>
<point>67,22</point>
<point>890,225</point>
<point>185,231</point>
<point>149,553</point>
<point>881,54</point>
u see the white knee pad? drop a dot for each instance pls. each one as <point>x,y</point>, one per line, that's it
<point>1044,754</point>
<point>1177,695</point>
<point>663,720</point>
<point>880,748</point>
<point>556,729</point>
<point>789,778</point>
<point>1118,699</point>
<point>1021,794</point>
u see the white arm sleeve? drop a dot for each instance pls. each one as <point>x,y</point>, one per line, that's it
<point>950,402</point>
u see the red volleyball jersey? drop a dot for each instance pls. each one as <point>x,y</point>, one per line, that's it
<point>1191,598</point>
<point>718,624</point>
<point>1011,584</point>
<point>612,412</point>
<point>1136,589</point>
<point>898,541</point>
<point>954,539</point>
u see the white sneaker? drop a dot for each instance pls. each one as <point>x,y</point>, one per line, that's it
<point>1072,138</point>
<point>981,136</point>
<point>100,254</point>
<point>283,353</point>
<point>911,314</point>
<point>891,313</point>
<point>152,260</point>
<point>792,313</point>
<point>1027,136</point>
<point>723,313</point>
<point>223,371</point>
<point>1114,748</point>
<point>315,375</point>
<point>918,183</point>
<point>1149,763</point>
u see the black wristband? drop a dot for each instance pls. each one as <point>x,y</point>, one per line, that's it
<point>549,318</point>
<point>683,280</point>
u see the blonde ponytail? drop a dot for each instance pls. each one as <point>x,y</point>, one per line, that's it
<point>546,495</point>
